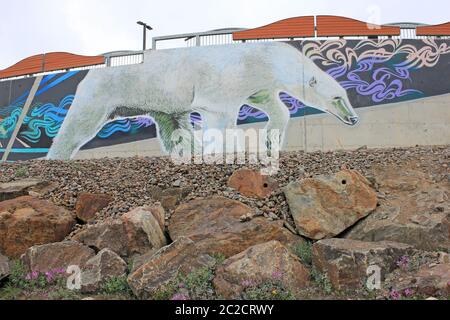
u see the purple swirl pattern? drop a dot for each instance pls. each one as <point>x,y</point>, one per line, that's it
<point>386,83</point>
<point>248,113</point>
<point>388,78</point>
<point>292,103</point>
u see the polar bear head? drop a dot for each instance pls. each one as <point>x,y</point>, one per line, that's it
<point>323,92</point>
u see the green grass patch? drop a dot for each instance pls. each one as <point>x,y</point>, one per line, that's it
<point>304,251</point>
<point>21,172</point>
<point>268,291</point>
<point>116,286</point>
<point>322,281</point>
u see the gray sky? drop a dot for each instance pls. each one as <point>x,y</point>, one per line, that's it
<point>92,27</point>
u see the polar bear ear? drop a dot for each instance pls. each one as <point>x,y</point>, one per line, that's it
<point>313,82</point>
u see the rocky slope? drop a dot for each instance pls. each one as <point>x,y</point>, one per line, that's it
<point>328,225</point>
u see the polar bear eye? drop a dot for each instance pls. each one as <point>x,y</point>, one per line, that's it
<point>313,82</point>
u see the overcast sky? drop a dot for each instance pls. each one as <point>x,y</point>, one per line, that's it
<point>92,27</point>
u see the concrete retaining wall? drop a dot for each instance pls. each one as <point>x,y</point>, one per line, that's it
<point>394,125</point>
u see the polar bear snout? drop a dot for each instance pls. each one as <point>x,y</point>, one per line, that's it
<point>342,109</point>
<point>353,120</point>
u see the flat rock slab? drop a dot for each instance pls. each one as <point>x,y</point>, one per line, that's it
<point>55,256</point>
<point>326,206</point>
<point>346,262</point>
<point>258,265</point>
<point>214,224</point>
<point>28,221</point>
<point>15,189</point>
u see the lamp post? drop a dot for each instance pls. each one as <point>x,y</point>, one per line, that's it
<point>145,27</point>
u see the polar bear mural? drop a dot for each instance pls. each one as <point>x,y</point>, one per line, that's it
<point>214,81</point>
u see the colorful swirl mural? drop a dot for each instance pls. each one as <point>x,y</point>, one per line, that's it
<point>380,69</point>
<point>248,114</point>
<point>373,72</point>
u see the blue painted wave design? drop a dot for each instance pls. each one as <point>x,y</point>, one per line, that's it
<point>386,83</point>
<point>48,118</point>
<point>7,111</point>
<point>8,124</point>
<point>130,126</point>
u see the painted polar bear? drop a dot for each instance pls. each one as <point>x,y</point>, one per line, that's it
<point>214,81</point>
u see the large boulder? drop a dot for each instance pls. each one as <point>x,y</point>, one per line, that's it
<point>423,230</point>
<point>144,228</point>
<point>183,256</point>
<point>99,269</point>
<point>4,267</point>
<point>215,225</point>
<point>346,262</point>
<point>28,221</point>
<point>15,189</point>
<point>414,210</point>
<point>326,206</point>
<point>260,264</point>
<point>55,256</point>
<point>109,234</point>
<point>135,233</point>
<point>89,204</point>
<point>429,281</point>
<point>139,260</point>
<point>252,184</point>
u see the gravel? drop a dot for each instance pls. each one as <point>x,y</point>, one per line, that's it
<point>132,181</point>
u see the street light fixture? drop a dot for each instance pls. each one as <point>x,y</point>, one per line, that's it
<point>145,27</point>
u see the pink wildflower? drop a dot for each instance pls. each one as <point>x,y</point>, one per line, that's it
<point>408,292</point>
<point>395,295</point>
<point>277,275</point>
<point>180,297</point>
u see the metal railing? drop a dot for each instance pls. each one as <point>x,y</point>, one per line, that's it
<point>213,37</point>
<point>407,30</point>
<point>123,58</point>
<point>112,59</point>
<point>225,36</point>
<point>208,38</point>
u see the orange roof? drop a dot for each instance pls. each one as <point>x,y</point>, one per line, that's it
<point>287,28</point>
<point>436,30</point>
<point>327,26</point>
<point>334,26</point>
<point>50,62</point>
<point>26,66</point>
